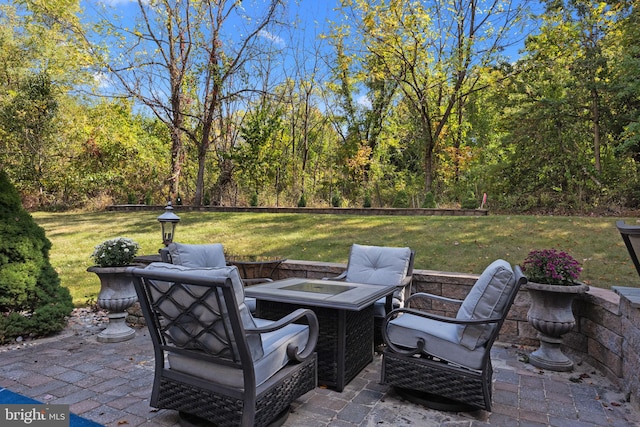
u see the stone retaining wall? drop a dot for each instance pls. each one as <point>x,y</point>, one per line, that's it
<point>315,211</point>
<point>606,335</point>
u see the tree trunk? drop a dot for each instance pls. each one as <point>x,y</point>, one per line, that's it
<point>176,162</point>
<point>595,111</point>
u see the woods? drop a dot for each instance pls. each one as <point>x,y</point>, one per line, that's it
<point>383,103</point>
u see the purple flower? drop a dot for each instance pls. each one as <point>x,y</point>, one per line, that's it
<point>551,267</point>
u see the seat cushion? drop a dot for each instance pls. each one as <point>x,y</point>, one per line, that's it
<point>204,314</point>
<point>487,299</point>
<point>441,339</point>
<point>379,265</point>
<point>210,255</point>
<point>379,307</point>
<point>275,358</point>
<point>251,303</point>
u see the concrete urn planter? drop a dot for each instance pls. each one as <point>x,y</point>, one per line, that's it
<point>117,294</point>
<point>551,314</point>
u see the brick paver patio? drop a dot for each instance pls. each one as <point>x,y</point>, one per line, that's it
<point>110,383</point>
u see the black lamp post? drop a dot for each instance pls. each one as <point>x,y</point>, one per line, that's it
<point>168,221</point>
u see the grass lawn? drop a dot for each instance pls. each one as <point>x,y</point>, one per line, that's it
<point>460,244</point>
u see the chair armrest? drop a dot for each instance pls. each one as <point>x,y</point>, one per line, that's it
<point>425,295</point>
<point>256,280</point>
<point>420,344</point>
<point>406,281</point>
<point>440,318</point>
<point>342,276</point>
<point>292,351</point>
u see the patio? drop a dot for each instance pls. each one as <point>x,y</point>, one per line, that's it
<point>110,383</point>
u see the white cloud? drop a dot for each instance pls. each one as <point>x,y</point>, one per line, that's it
<point>269,36</point>
<point>101,80</point>
<point>364,101</point>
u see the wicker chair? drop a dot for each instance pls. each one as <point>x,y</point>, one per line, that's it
<point>631,237</point>
<point>213,360</point>
<point>445,362</point>
<point>380,265</point>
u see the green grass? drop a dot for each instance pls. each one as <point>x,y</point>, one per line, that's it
<point>460,244</point>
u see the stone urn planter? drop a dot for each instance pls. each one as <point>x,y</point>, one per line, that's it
<point>551,315</point>
<point>117,294</point>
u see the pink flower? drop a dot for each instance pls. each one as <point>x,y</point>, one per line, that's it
<point>551,267</point>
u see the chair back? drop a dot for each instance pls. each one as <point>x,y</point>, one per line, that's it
<point>194,255</point>
<point>380,265</point>
<point>490,297</point>
<point>198,313</point>
<point>631,237</point>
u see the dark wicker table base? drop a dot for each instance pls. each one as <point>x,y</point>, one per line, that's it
<point>345,343</point>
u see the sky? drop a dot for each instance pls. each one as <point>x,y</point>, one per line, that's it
<point>312,17</point>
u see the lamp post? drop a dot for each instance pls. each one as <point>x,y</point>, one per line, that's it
<point>168,221</point>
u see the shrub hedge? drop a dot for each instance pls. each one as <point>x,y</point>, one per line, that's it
<point>32,301</point>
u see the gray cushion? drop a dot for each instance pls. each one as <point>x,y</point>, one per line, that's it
<point>209,255</point>
<point>196,256</point>
<point>275,358</point>
<point>441,339</point>
<point>206,314</point>
<point>251,303</point>
<point>380,306</point>
<point>379,265</point>
<point>487,299</point>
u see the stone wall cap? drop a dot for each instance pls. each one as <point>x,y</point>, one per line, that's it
<point>630,294</point>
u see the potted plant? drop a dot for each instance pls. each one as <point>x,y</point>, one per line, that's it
<point>553,284</point>
<point>112,260</point>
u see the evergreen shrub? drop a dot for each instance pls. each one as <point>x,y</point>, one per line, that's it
<point>367,201</point>
<point>336,200</point>
<point>32,301</point>
<point>401,200</point>
<point>429,201</point>
<point>253,202</point>
<point>470,202</point>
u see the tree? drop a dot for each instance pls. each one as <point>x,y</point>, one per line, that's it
<point>183,60</point>
<point>32,302</point>
<point>28,120</point>
<point>561,110</point>
<point>433,51</point>
<point>41,62</point>
<point>255,156</point>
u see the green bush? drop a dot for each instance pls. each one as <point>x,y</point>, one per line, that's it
<point>32,302</point>
<point>401,200</point>
<point>367,201</point>
<point>302,203</point>
<point>470,202</point>
<point>253,201</point>
<point>336,200</point>
<point>429,201</point>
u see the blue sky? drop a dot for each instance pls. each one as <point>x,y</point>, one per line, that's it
<point>312,16</point>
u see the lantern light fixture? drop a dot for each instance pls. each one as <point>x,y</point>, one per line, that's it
<point>168,221</point>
